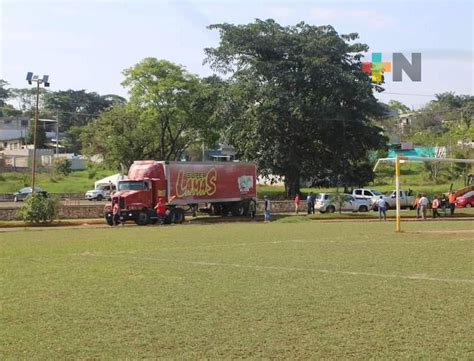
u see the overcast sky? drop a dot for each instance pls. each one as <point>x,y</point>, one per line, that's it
<point>85,44</point>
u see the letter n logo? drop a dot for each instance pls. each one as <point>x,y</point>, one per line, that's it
<point>413,69</point>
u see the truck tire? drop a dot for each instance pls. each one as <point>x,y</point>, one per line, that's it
<point>331,209</point>
<point>109,220</point>
<point>142,218</point>
<point>179,216</point>
<point>363,209</point>
<point>99,197</point>
<point>238,210</point>
<point>170,217</point>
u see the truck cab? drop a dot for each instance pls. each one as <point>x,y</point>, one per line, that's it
<point>138,195</point>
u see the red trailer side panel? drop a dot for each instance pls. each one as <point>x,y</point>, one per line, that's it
<point>210,182</point>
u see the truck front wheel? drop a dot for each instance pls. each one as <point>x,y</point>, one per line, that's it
<point>109,218</point>
<point>170,216</point>
<point>142,219</point>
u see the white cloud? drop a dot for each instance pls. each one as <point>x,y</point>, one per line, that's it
<point>281,12</point>
<point>372,18</point>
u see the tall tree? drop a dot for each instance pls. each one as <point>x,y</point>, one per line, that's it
<point>41,138</point>
<point>169,110</point>
<point>174,102</point>
<point>299,104</point>
<point>78,107</point>
<point>4,92</point>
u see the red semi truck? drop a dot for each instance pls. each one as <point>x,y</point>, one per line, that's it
<point>224,188</point>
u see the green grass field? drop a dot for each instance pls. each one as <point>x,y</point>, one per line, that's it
<point>294,289</point>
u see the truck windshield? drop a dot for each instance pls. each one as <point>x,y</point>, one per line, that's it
<point>131,186</point>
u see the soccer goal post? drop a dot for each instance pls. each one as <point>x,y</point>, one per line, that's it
<point>403,159</point>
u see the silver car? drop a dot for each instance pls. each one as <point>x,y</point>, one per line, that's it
<point>327,202</point>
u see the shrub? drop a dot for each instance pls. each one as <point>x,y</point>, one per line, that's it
<point>38,209</point>
<point>91,173</point>
<point>62,166</point>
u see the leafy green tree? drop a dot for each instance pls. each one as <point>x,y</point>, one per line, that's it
<point>399,106</point>
<point>26,99</point>
<point>298,103</point>
<point>119,136</point>
<point>41,138</point>
<point>175,107</point>
<point>62,166</point>
<point>78,107</point>
<point>5,93</point>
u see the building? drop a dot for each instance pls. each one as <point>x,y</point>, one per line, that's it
<point>13,132</point>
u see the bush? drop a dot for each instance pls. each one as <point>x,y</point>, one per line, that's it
<point>38,209</point>
<point>91,173</point>
<point>62,166</point>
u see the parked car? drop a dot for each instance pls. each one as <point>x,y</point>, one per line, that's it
<point>466,200</point>
<point>326,202</point>
<point>100,193</point>
<point>365,193</point>
<point>406,200</point>
<point>22,193</point>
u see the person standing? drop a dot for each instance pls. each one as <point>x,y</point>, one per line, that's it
<point>313,202</point>
<point>297,202</point>
<point>267,210</point>
<point>435,206</point>
<point>252,209</point>
<point>443,203</point>
<point>309,202</point>
<point>424,201</point>
<point>382,209</point>
<point>160,210</point>
<point>452,202</point>
<point>416,205</point>
<point>116,212</point>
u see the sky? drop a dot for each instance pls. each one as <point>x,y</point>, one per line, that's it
<point>86,44</point>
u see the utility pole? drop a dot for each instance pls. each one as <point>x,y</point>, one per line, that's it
<point>57,132</point>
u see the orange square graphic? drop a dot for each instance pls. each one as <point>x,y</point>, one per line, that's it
<point>386,66</point>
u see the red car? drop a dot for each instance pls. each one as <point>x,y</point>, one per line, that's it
<point>466,200</point>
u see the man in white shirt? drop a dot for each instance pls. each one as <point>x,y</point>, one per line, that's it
<point>382,209</point>
<point>424,202</point>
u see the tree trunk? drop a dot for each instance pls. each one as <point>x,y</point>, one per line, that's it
<point>292,185</point>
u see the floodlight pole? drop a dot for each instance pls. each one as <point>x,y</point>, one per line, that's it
<point>34,78</point>
<point>397,193</point>
<point>33,168</point>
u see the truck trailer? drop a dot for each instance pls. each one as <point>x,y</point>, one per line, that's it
<point>224,188</point>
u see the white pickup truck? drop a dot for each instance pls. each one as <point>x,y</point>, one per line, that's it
<point>406,200</point>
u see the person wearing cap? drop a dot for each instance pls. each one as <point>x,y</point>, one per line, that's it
<point>267,210</point>
<point>160,210</point>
